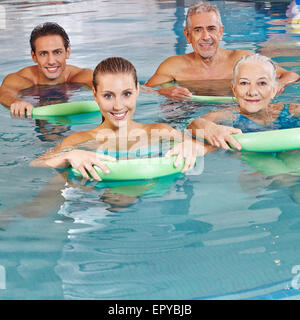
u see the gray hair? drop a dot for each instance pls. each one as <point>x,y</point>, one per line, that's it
<point>256,57</point>
<point>200,7</point>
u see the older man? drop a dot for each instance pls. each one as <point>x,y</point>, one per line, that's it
<point>204,31</point>
<point>50,48</point>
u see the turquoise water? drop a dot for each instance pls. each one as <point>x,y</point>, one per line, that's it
<point>227,233</point>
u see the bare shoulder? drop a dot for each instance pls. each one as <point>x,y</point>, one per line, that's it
<point>235,55</point>
<point>21,79</point>
<point>80,75</point>
<point>174,62</point>
<point>76,139</point>
<point>157,126</point>
<point>238,54</point>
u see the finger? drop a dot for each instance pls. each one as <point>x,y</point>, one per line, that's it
<point>192,162</point>
<point>234,143</point>
<point>178,160</point>
<point>236,131</point>
<point>224,144</point>
<point>183,95</point>
<point>29,111</point>
<point>93,173</point>
<point>170,153</point>
<point>83,173</point>
<point>215,143</point>
<point>22,111</point>
<point>106,157</point>
<point>186,164</point>
<point>13,110</point>
<point>184,92</point>
<point>102,167</point>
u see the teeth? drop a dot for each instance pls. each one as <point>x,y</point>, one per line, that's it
<point>52,68</point>
<point>119,115</point>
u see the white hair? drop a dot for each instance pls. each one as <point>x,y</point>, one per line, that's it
<point>200,7</point>
<point>256,57</point>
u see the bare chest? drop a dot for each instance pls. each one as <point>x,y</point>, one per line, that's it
<point>196,72</point>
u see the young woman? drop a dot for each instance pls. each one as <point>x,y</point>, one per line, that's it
<point>254,86</point>
<point>116,89</point>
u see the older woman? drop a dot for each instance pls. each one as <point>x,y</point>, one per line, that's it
<point>254,86</point>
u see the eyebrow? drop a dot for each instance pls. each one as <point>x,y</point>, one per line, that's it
<point>113,92</point>
<point>57,49</point>
<point>261,78</point>
<point>209,26</point>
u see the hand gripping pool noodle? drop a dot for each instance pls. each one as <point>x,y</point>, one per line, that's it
<point>213,99</point>
<point>137,169</point>
<point>210,99</point>
<point>269,141</point>
<point>63,109</point>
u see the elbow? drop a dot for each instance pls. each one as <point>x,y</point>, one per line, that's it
<point>37,163</point>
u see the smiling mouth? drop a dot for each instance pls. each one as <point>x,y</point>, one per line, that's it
<point>252,101</point>
<point>206,44</point>
<point>52,69</point>
<point>119,115</point>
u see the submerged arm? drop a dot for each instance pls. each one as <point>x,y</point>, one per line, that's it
<point>285,78</point>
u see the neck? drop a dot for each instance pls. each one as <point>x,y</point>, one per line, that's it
<point>209,60</point>
<point>260,113</point>
<point>115,138</point>
<point>42,80</point>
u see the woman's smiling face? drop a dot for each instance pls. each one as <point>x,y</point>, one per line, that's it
<point>254,86</point>
<point>116,96</point>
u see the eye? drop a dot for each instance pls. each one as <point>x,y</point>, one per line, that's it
<point>243,83</point>
<point>211,28</point>
<point>127,93</point>
<point>43,53</point>
<point>58,52</point>
<point>262,83</point>
<point>107,96</point>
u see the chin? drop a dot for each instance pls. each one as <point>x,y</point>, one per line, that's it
<point>206,55</point>
<point>253,110</point>
<point>52,77</point>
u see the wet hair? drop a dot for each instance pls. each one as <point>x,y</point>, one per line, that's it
<point>200,7</point>
<point>46,29</point>
<point>256,57</point>
<point>114,65</point>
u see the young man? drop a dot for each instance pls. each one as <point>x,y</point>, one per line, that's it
<point>50,48</point>
<point>204,31</point>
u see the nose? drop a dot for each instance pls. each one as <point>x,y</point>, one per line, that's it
<point>205,34</point>
<point>51,59</point>
<point>118,105</point>
<point>252,90</point>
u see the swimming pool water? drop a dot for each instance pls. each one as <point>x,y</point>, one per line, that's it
<point>228,233</point>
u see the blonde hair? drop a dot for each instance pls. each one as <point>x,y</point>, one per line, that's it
<point>256,57</point>
<point>200,7</point>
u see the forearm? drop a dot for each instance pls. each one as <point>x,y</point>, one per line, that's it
<point>199,126</point>
<point>288,78</point>
<point>52,160</point>
<point>7,98</point>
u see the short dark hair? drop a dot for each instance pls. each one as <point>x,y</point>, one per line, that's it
<point>114,65</point>
<point>46,29</point>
